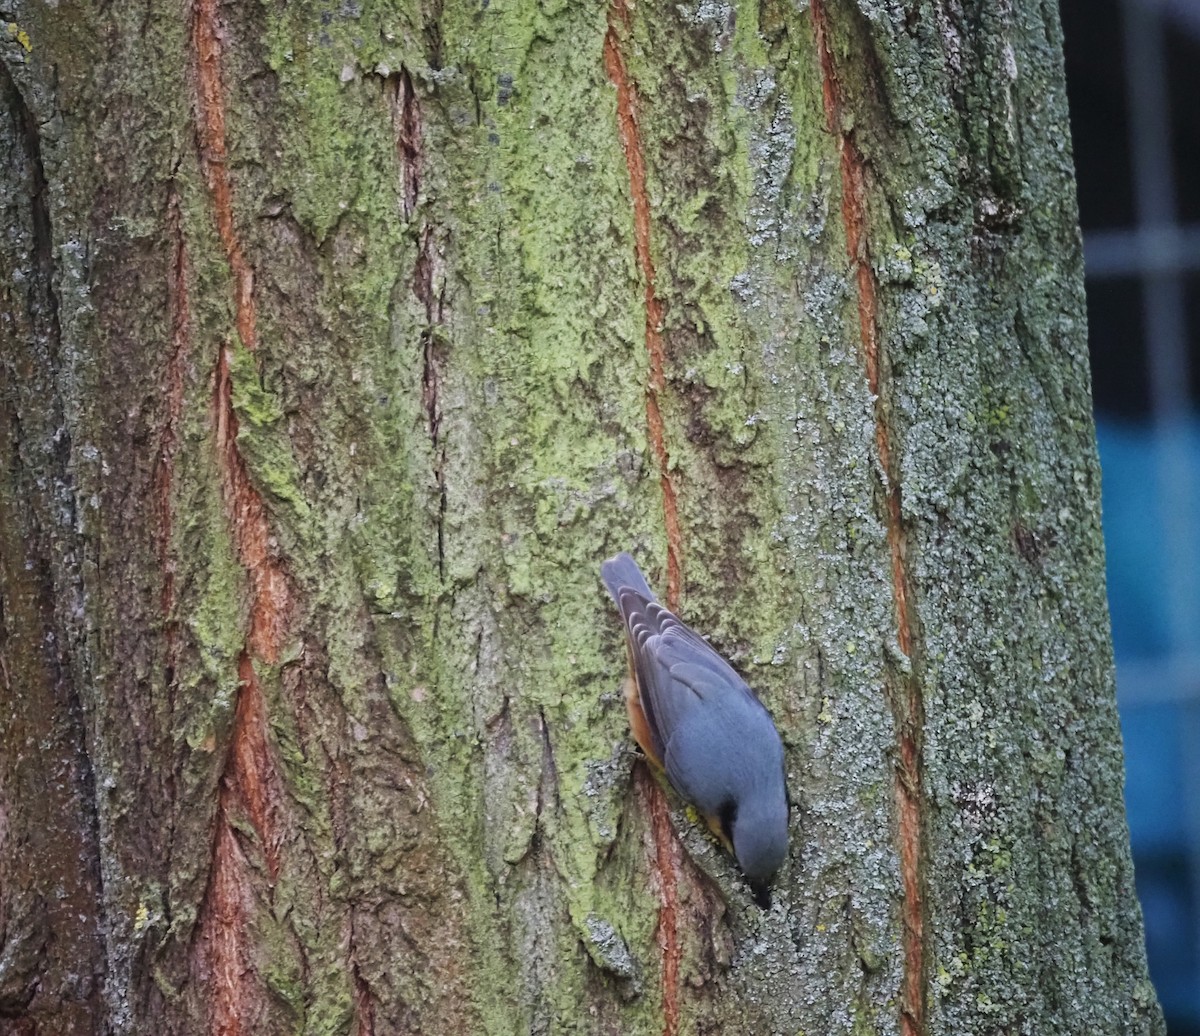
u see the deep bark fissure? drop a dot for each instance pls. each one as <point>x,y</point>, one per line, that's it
<point>43,236</point>
<point>666,848</point>
<point>406,126</point>
<point>250,782</point>
<point>206,41</point>
<point>246,509</point>
<point>903,690</point>
<point>548,785</point>
<point>430,389</point>
<point>619,20</point>
<point>668,861</point>
<point>408,131</point>
<point>432,347</point>
<point>364,1002</point>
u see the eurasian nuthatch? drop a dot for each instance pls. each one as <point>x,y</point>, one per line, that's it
<point>698,721</point>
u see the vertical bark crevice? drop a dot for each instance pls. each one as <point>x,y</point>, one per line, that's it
<point>667,858</point>
<point>666,847</point>
<point>270,589</point>
<point>364,1002</point>
<point>224,915</point>
<point>270,595</point>
<point>214,159</point>
<point>619,18</point>
<point>250,774</point>
<point>430,389</point>
<point>408,132</point>
<point>406,127</point>
<point>39,209</point>
<point>902,689</point>
<point>250,784</point>
<point>180,320</point>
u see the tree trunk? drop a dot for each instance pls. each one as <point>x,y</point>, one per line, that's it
<point>341,343</point>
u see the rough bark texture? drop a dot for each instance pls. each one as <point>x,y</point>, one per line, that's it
<point>341,343</point>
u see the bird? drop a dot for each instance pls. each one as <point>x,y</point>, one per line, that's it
<point>700,723</point>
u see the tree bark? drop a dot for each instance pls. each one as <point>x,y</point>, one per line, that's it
<point>341,343</point>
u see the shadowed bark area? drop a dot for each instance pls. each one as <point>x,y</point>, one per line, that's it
<point>338,345</point>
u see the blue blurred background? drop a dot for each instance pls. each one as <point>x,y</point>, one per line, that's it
<point>1133,77</point>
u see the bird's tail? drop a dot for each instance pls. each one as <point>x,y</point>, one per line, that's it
<point>621,572</point>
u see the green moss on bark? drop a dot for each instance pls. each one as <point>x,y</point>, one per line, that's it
<point>445,416</point>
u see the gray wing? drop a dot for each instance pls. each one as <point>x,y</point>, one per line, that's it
<point>678,673</point>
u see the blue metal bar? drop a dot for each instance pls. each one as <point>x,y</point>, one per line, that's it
<point>1141,250</point>
<point>1166,349</point>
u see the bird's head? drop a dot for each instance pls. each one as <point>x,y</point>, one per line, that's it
<point>759,832</point>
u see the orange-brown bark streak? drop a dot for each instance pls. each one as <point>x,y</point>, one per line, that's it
<point>214,157</point>
<point>666,849</point>
<point>269,590</point>
<point>250,787</point>
<point>250,773</point>
<point>666,852</point>
<point>247,512</point>
<point>631,143</point>
<point>364,1007</point>
<point>222,934</point>
<point>250,784</point>
<point>908,711</point>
